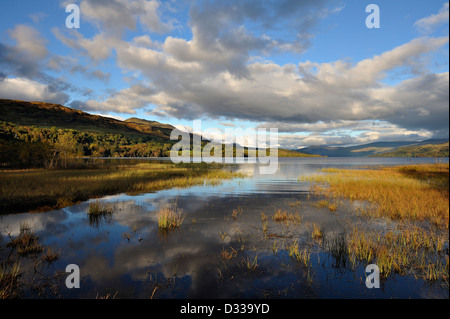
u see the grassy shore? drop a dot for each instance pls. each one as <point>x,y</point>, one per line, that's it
<point>415,198</point>
<point>43,189</point>
<point>412,192</point>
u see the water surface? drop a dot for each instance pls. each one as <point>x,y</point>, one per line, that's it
<point>127,256</point>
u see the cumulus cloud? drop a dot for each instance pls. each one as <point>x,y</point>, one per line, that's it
<point>223,71</point>
<point>29,41</point>
<point>345,132</point>
<point>115,16</point>
<point>292,93</point>
<point>24,89</point>
<point>428,24</point>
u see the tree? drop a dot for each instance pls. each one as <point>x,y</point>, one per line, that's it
<point>65,148</point>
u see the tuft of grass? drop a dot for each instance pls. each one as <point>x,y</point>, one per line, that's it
<point>302,256</point>
<point>50,256</point>
<point>236,212</point>
<point>9,280</point>
<point>297,203</point>
<point>169,218</point>
<point>27,243</point>
<point>326,204</point>
<point>228,255</point>
<point>251,264</point>
<point>317,232</point>
<point>283,216</point>
<point>99,212</point>
<point>98,208</point>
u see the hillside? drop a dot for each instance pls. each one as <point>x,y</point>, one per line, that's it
<point>40,134</point>
<point>290,153</point>
<point>427,150</point>
<point>372,149</point>
<point>47,115</point>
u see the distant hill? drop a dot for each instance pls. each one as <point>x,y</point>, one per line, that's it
<point>427,150</point>
<point>372,149</point>
<point>290,153</point>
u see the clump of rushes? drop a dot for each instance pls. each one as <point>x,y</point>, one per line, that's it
<point>9,280</point>
<point>98,208</point>
<point>169,218</point>
<point>326,204</point>
<point>236,212</point>
<point>26,243</point>
<point>297,203</point>
<point>251,264</point>
<point>302,256</point>
<point>317,232</point>
<point>228,255</point>
<point>50,256</point>
<point>283,216</point>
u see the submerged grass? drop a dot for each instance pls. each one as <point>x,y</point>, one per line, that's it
<point>302,256</point>
<point>9,280</point>
<point>22,190</point>
<point>416,197</point>
<point>411,250</point>
<point>282,216</point>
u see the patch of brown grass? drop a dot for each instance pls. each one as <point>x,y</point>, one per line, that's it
<point>415,192</point>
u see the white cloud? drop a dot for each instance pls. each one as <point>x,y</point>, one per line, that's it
<point>29,40</point>
<point>428,24</point>
<point>24,89</point>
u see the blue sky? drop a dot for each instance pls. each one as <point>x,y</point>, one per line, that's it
<point>312,69</point>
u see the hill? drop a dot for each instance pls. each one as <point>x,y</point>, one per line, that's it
<point>47,115</point>
<point>40,134</point>
<point>427,150</point>
<point>372,149</point>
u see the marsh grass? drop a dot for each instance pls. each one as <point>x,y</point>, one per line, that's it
<point>169,218</point>
<point>412,192</point>
<point>251,264</point>
<point>332,206</point>
<point>236,212</point>
<point>228,254</point>
<point>98,208</point>
<point>317,232</point>
<point>411,250</point>
<point>9,280</point>
<point>44,189</point>
<point>302,256</point>
<point>21,268</point>
<point>416,197</point>
<point>282,216</point>
<point>99,212</point>
<point>50,256</point>
<point>26,243</point>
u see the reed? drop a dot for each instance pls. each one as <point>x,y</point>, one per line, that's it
<point>169,218</point>
<point>285,217</point>
<point>405,250</point>
<point>413,193</point>
<point>302,256</point>
<point>44,189</point>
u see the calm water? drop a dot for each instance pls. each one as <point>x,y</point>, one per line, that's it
<point>129,257</point>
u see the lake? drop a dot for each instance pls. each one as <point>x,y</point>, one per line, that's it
<point>225,247</point>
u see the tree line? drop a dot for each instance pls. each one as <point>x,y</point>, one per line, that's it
<point>25,146</point>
